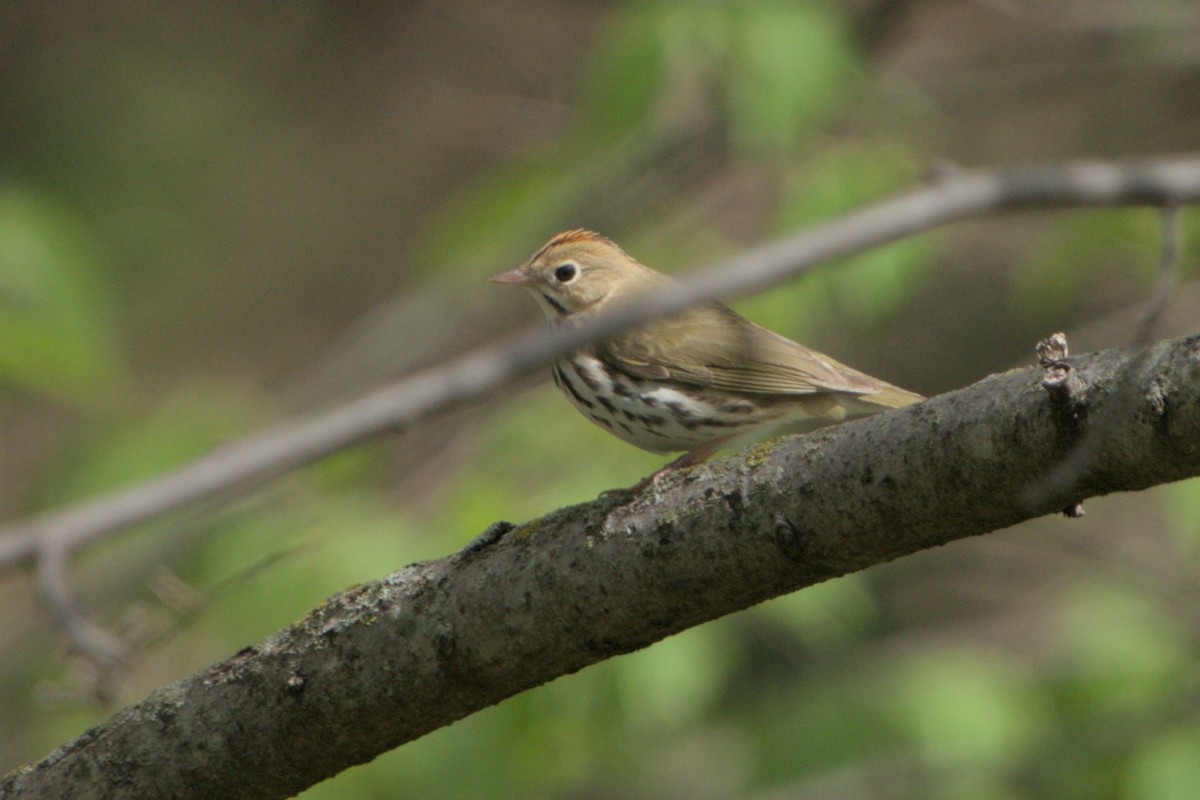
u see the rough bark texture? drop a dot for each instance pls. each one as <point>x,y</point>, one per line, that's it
<point>384,663</point>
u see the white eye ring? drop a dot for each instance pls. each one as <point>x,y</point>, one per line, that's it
<point>566,272</point>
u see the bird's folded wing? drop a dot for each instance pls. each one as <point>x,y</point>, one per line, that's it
<point>712,346</point>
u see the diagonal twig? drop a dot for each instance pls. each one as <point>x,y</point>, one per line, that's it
<point>956,197</point>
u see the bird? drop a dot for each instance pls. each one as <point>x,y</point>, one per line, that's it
<point>697,381</point>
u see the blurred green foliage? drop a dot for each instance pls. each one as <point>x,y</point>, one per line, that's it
<point>864,289</point>
<point>824,689</point>
<point>55,315</point>
<point>1093,246</point>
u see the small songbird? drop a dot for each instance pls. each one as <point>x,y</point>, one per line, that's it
<point>696,381</point>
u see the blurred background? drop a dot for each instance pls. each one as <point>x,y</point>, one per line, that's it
<point>215,216</point>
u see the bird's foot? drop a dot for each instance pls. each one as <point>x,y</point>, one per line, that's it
<point>689,459</point>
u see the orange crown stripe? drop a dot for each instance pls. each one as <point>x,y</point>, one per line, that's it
<point>572,237</point>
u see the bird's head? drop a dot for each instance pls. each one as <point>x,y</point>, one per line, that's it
<point>578,273</point>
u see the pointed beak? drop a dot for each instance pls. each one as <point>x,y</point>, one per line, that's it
<point>516,277</point>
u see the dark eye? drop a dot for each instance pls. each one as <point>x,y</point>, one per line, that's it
<point>565,273</point>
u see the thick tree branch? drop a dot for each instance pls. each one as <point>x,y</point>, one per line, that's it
<point>953,197</point>
<point>387,662</point>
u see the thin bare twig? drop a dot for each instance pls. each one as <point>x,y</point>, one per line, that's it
<point>1168,276</point>
<point>1172,181</point>
<point>89,640</point>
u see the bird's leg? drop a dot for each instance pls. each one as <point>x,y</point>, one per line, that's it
<point>693,457</point>
<point>689,459</point>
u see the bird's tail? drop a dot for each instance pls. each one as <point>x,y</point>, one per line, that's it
<point>890,396</point>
